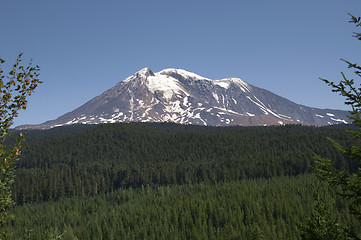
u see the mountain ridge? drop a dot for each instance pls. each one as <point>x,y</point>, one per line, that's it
<point>179,96</point>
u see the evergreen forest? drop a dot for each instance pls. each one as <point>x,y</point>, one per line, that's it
<point>169,181</point>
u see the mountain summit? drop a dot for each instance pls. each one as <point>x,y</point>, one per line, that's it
<point>175,95</point>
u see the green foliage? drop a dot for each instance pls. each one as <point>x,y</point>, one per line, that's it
<point>321,225</point>
<point>15,87</point>
<point>347,183</point>
<point>91,160</point>
<point>247,209</point>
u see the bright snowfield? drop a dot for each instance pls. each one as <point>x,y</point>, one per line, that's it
<point>166,84</point>
<point>161,81</point>
<point>179,96</point>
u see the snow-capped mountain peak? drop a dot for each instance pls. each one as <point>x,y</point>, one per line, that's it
<point>183,73</point>
<point>179,96</point>
<point>166,84</point>
<point>141,74</point>
<point>145,72</point>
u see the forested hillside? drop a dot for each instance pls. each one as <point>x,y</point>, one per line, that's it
<point>89,160</point>
<point>168,181</point>
<point>248,209</point>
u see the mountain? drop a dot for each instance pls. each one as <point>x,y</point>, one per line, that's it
<point>175,95</point>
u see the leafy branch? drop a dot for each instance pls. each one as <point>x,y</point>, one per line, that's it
<point>15,88</point>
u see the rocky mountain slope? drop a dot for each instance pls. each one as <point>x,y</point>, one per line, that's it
<point>175,95</point>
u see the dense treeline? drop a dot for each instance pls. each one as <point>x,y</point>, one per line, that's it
<point>247,209</point>
<point>101,159</point>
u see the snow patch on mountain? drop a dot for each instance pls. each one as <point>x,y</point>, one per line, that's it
<point>222,83</point>
<point>181,72</point>
<point>166,84</point>
<point>339,120</point>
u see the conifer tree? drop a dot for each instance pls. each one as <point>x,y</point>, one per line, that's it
<point>348,183</point>
<point>321,225</point>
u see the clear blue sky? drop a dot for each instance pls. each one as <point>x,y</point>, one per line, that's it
<point>86,47</point>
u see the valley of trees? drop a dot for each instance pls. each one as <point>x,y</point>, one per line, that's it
<point>117,156</point>
<point>249,209</point>
<point>168,181</point>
